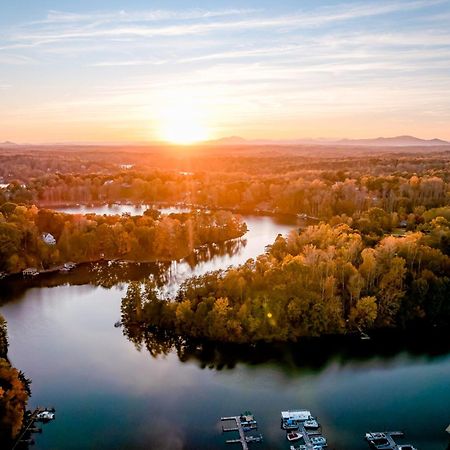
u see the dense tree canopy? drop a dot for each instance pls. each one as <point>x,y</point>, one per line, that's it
<point>91,237</point>
<point>14,392</point>
<point>324,280</point>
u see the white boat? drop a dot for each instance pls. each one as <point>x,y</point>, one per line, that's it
<point>294,436</point>
<point>318,440</point>
<point>305,447</point>
<point>45,416</point>
<point>311,424</point>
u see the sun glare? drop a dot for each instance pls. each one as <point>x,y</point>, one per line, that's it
<point>183,124</point>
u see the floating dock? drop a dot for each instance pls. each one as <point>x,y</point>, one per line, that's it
<point>243,423</point>
<point>385,440</point>
<point>29,427</point>
<point>298,420</point>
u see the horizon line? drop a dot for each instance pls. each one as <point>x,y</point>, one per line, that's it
<point>222,140</point>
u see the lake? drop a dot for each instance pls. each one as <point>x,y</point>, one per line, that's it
<point>119,208</point>
<point>110,395</point>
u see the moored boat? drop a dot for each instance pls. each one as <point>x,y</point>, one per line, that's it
<point>294,436</point>
<point>318,440</point>
<point>311,424</point>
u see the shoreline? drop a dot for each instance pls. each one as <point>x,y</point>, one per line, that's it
<point>59,268</point>
<point>245,211</point>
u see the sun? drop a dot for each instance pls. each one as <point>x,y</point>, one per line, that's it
<point>183,124</point>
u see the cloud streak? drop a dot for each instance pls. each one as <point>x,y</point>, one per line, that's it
<point>242,65</point>
<point>122,24</point>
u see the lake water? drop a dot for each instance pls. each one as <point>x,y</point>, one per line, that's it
<point>110,395</point>
<point>117,208</point>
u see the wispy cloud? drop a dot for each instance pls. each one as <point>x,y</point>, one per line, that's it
<point>130,25</point>
<point>131,62</point>
<point>349,58</point>
<point>13,59</point>
<point>58,17</point>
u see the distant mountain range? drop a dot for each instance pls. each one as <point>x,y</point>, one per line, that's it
<point>397,141</point>
<point>7,144</point>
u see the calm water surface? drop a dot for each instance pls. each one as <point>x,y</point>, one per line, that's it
<point>117,208</point>
<point>110,395</point>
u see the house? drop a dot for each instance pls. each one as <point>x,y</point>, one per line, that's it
<point>67,267</point>
<point>48,239</point>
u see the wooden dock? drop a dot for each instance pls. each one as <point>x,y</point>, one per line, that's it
<point>241,426</point>
<point>307,436</point>
<point>389,436</point>
<point>29,427</point>
<point>302,422</point>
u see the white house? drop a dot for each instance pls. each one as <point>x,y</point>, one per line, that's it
<point>48,239</point>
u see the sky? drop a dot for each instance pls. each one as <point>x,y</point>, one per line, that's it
<point>143,71</point>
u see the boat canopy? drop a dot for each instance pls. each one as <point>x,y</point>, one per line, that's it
<point>301,414</point>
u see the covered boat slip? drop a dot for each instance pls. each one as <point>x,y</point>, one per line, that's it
<point>297,415</point>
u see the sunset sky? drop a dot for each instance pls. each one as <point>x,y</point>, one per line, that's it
<point>141,71</point>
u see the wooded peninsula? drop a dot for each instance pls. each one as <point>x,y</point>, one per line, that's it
<point>371,246</point>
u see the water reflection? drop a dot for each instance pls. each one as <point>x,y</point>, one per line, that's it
<point>119,209</point>
<point>168,275</point>
<point>65,340</point>
<point>311,354</point>
<point>171,392</point>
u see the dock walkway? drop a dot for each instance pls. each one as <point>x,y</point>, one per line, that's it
<point>241,427</point>
<point>307,436</point>
<point>389,437</point>
<point>29,426</point>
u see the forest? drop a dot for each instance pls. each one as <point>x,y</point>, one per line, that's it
<point>377,256</point>
<point>328,279</point>
<point>370,250</point>
<point>287,183</point>
<point>42,238</point>
<point>14,392</point>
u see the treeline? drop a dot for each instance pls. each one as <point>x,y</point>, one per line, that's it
<point>328,279</point>
<point>14,393</point>
<point>25,162</point>
<point>40,238</point>
<point>323,193</point>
